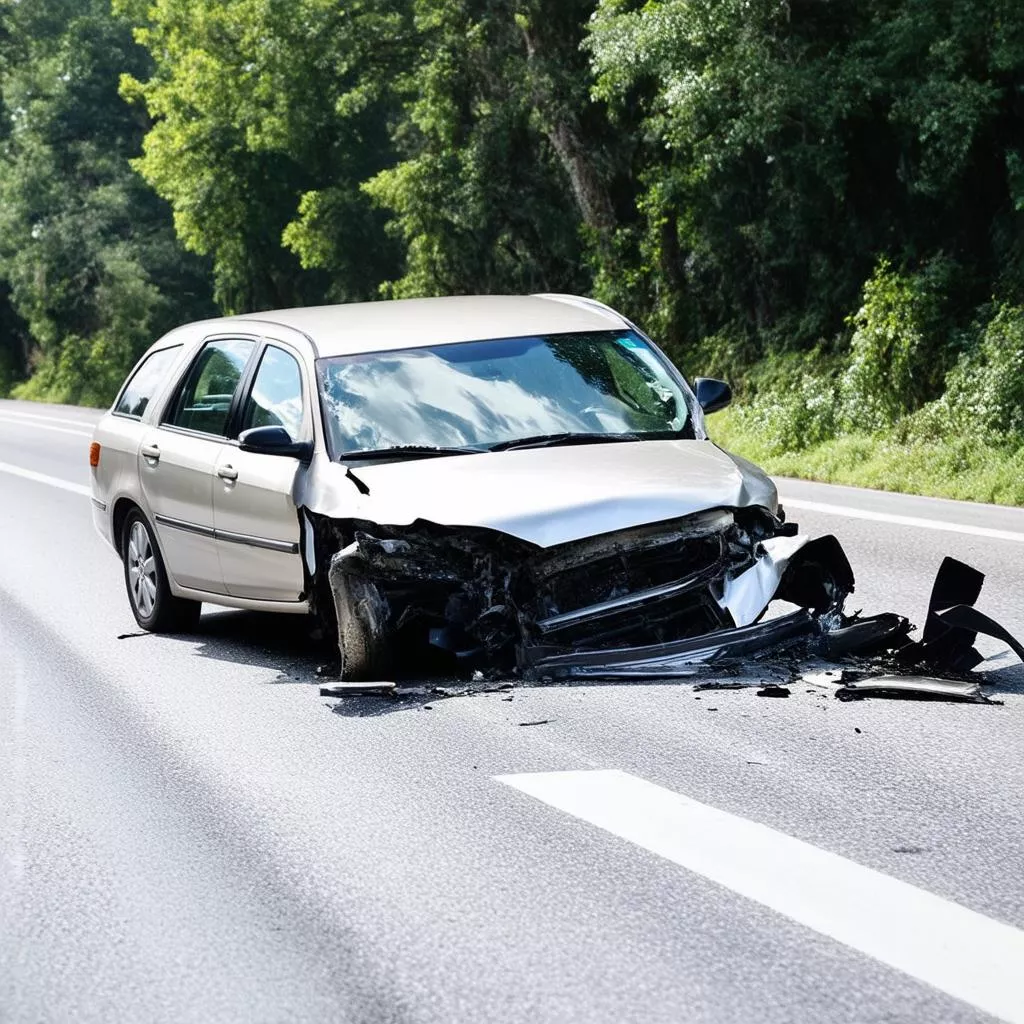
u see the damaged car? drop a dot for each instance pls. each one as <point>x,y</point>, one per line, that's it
<point>509,484</point>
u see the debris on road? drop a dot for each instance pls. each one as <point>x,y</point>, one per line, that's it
<point>853,656</point>
<point>774,690</point>
<point>357,689</point>
<point>915,688</point>
<point>542,721</point>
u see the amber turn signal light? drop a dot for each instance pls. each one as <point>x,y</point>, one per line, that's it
<point>94,454</point>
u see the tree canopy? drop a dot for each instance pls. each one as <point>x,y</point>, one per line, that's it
<point>748,179</point>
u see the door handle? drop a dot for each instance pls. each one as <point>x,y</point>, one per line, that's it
<point>151,452</point>
<point>228,474</point>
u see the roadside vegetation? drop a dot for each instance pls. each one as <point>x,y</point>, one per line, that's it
<point>822,202</point>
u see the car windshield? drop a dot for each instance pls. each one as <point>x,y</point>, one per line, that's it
<point>480,394</point>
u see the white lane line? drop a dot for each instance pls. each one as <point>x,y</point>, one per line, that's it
<point>958,951</point>
<point>4,418</point>
<point>915,521</point>
<point>42,478</point>
<point>46,419</point>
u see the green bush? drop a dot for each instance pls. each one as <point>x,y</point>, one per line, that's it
<point>898,353</point>
<point>82,372</point>
<point>793,417</point>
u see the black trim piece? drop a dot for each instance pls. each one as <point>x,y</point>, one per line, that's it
<point>245,383</point>
<point>180,524</point>
<point>258,542</point>
<point>284,546</point>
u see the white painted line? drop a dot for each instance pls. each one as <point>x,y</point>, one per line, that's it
<point>915,521</point>
<point>46,419</point>
<point>5,418</point>
<point>958,951</point>
<point>42,478</point>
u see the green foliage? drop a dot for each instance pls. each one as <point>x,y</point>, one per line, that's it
<point>899,352</point>
<point>489,138</point>
<point>968,467</point>
<point>823,202</point>
<point>784,146</point>
<point>87,253</point>
<point>268,115</point>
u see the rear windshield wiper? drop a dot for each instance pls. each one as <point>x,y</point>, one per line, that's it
<point>405,451</point>
<point>553,440</point>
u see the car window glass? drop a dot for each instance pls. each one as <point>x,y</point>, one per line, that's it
<point>482,393</point>
<point>146,381</point>
<point>276,396</point>
<point>205,400</point>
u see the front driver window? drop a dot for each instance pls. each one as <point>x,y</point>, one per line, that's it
<point>205,400</point>
<point>276,396</point>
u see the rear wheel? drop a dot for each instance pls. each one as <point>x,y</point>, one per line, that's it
<point>155,608</point>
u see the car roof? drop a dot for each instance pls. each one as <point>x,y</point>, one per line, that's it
<point>412,323</point>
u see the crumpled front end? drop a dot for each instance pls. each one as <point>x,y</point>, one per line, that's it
<point>648,601</point>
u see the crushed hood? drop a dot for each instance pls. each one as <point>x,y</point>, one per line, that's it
<point>548,496</point>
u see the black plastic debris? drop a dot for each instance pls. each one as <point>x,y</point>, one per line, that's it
<point>873,634</point>
<point>357,689</point>
<point>714,685</point>
<point>915,688</point>
<point>773,690</point>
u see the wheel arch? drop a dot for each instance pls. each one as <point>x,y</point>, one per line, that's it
<point>119,516</point>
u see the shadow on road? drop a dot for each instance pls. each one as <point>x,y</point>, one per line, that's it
<point>286,644</point>
<point>265,640</point>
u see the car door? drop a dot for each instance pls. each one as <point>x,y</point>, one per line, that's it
<point>254,508</point>
<point>178,460</point>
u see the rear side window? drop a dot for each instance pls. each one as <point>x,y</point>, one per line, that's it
<point>204,403</point>
<point>146,381</point>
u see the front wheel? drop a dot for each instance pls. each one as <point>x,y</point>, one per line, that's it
<point>155,608</point>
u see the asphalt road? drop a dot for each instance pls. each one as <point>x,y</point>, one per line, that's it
<point>190,833</point>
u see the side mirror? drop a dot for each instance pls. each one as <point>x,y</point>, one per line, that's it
<point>274,441</point>
<point>712,394</point>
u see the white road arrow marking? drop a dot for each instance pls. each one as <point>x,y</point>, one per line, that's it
<point>958,951</point>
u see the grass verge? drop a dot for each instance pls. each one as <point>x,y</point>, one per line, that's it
<point>966,468</point>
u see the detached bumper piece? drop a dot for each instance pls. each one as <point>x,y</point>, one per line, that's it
<point>674,659</point>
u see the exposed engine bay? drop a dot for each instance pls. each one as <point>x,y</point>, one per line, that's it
<point>646,601</point>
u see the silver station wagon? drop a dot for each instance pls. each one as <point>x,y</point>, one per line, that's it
<point>507,484</point>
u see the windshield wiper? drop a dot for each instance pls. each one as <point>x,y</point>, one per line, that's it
<point>553,440</point>
<point>405,451</point>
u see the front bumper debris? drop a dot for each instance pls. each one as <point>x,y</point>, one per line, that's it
<point>649,601</point>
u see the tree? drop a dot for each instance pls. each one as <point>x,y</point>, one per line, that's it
<point>504,156</point>
<point>268,115</point>
<point>790,143</point>
<point>87,252</point>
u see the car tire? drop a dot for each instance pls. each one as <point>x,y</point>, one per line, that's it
<point>155,608</point>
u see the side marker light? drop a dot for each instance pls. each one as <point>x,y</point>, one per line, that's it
<point>94,454</point>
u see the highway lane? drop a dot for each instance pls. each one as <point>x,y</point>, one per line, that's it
<point>191,833</point>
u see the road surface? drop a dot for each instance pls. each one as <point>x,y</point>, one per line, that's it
<point>190,833</point>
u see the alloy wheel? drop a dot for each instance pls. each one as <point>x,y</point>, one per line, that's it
<point>142,580</point>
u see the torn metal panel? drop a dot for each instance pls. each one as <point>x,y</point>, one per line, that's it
<point>746,595</point>
<point>915,688</point>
